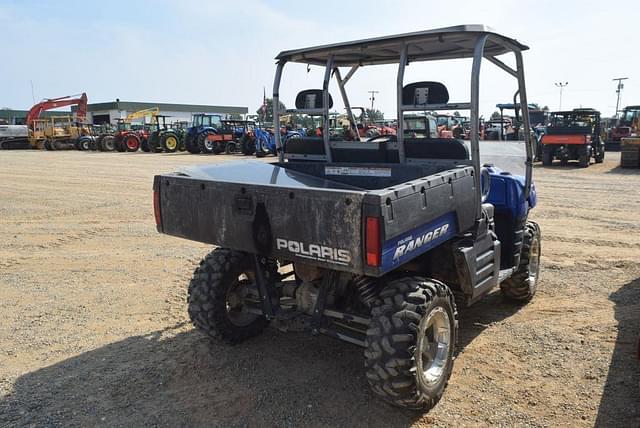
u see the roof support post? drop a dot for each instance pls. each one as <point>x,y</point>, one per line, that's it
<point>325,108</point>
<point>276,110</point>
<point>345,100</point>
<point>525,121</point>
<point>399,86</point>
<point>475,116</point>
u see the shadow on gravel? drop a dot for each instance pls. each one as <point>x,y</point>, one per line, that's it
<point>623,171</point>
<point>170,378</point>
<point>481,315</point>
<point>180,378</point>
<point>621,395</point>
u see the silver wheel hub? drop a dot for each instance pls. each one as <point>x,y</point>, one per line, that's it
<point>534,263</point>
<point>434,344</point>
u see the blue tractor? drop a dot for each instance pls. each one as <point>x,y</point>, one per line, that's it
<point>266,143</point>
<point>205,134</point>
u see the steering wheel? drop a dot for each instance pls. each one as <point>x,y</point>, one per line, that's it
<point>382,139</point>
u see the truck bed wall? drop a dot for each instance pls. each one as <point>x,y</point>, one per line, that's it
<point>319,226</point>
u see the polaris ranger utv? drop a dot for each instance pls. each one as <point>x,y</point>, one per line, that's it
<point>573,135</point>
<point>365,241</point>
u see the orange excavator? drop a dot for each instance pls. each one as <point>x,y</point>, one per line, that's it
<point>38,126</point>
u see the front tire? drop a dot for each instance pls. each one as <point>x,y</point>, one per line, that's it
<point>522,285</point>
<point>411,341</point>
<point>169,142</point>
<point>216,295</point>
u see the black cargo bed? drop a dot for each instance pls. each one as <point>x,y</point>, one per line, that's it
<point>315,213</point>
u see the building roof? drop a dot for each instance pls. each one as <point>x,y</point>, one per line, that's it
<point>187,108</point>
<point>441,43</point>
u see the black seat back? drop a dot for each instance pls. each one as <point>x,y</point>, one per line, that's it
<point>424,93</point>
<point>311,99</point>
<point>436,148</point>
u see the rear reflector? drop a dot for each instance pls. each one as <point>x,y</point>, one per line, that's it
<point>372,241</point>
<point>156,207</point>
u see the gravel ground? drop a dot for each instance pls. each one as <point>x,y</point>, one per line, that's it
<point>94,328</point>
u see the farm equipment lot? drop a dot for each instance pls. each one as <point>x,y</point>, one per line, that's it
<point>95,327</point>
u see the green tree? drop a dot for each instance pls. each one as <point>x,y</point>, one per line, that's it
<point>456,113</point>
<point>495,115</point>
<point>374,114</point>
<point>268,114</point>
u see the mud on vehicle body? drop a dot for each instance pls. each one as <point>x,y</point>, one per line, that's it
<point>364,241</point>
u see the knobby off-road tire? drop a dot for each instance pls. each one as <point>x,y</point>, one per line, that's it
<point>583,160</point>
<point>108,143</point>
<point>169,142</point>
<point>522,285</point>
<point>401,347</point>
<point>210,289</point>
<point>205,145</point>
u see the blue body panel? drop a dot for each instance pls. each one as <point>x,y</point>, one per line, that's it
<point>507,193</point>
<point>417,241</point>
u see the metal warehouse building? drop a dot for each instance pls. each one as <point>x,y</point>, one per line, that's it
<point>108,112</point>
<point>17,117</point>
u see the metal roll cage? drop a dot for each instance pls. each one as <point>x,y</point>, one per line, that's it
<point>479,52</point>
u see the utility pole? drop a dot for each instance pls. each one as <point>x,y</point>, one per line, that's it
<point>618,90</point>
<point>373,98</point>
<point>561,85</point>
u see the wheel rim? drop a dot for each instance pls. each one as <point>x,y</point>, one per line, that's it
<point>534,263</point>
<point>132,143</point>
<point>209,145</point>
<point>434,344</point>
<point>236,309</point>
<point>171,142</point>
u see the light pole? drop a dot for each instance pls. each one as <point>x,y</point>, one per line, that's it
<point>561,85</point>
<point>618,90</point>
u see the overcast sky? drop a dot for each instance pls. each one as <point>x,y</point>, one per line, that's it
<point>221,53</point>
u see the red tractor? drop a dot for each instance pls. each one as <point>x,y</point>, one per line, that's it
<point>628,124</point>
<point>126,139</point>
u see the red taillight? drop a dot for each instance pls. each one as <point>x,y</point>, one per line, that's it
<point>156,207</point>
<point>372,241</point>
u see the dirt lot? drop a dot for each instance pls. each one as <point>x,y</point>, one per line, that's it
<point>94,327</point>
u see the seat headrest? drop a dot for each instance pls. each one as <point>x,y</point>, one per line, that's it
<point>424,93</point>
<point>311,99</point>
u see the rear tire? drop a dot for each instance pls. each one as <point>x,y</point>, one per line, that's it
<point>131,143</point>
<point>169,142</point>
<point>108,143</point>
<point>547,158</point>
<point>205,144</point>
<point>215,302</point>
<point>522,285</point>
<point>411,341</point>
<point>248,145</point>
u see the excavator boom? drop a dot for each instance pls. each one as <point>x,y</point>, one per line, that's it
<point>52,103</point>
